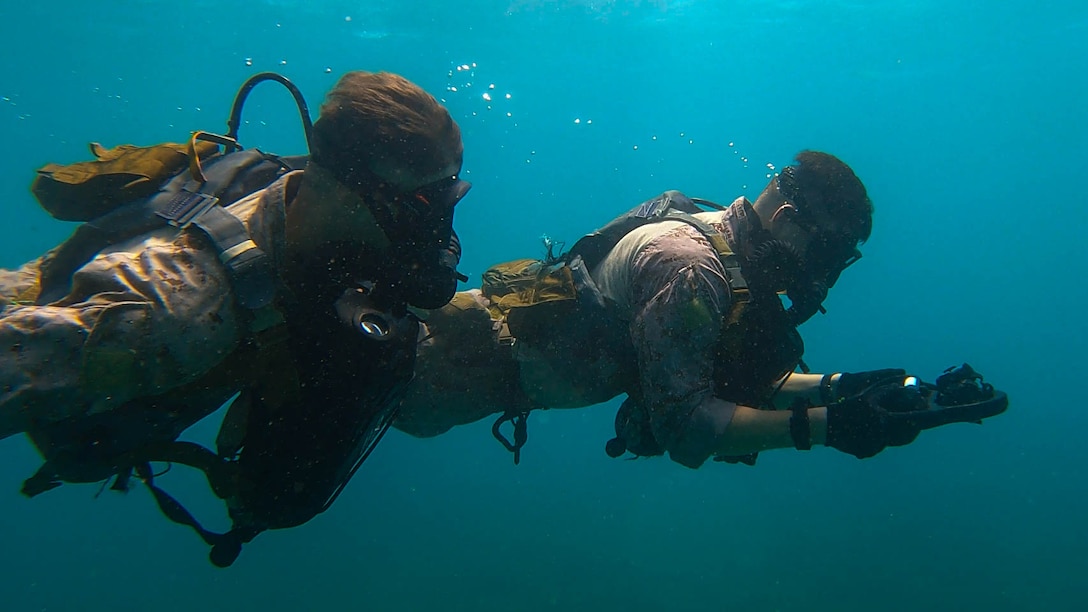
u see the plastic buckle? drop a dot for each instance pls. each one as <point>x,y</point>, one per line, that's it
<point>185,207</point>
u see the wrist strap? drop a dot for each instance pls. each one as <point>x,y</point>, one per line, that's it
<point>799,426</point>
<point>826,396</point>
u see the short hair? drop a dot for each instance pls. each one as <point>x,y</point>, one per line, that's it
<point>826,182</point>
<point>381,120</point>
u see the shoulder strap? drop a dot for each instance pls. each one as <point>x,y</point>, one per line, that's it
<point>730,261</point>
<point>669,206</point>
<point>182,201</point>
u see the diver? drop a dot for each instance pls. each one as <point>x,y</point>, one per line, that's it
<point>295,303</point>
<point>682,310</point>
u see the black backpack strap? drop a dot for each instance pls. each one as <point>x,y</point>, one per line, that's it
<point>251,272</point>
<point>225,546</point>
<point>594,247</point>
<point>519,419</point>
<point>219,472</point>
<point>182,202</point>
<point>221,478</point>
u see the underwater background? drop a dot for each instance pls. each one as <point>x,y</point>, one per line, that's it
<point>966,122</point>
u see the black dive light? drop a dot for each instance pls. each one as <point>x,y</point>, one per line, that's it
<point>959,396</point>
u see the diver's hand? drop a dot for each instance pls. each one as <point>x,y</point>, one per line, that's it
<point>864,425</point>
<point>852,384</point>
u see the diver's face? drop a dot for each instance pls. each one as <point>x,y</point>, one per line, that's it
<point>826,248</point>
<point>421,217</point>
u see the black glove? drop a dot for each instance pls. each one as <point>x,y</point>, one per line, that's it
<point>851,384</point>
<point>865,424</point>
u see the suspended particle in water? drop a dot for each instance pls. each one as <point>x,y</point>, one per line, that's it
<point>507,96</point>
<point>249,61</point>
<point>348,18</point>
<point>730,144</point>
<point>634,148</point>
<point>577,121</point>
<point>487,96</point>
<point>328,70</point>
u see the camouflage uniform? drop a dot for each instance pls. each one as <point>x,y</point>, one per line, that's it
<point>668,293</point>
<point>142,318</point>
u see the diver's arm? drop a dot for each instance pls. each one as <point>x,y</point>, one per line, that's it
<point>135,324</point>
<point>752,430</point>
<point>807,387</point>
<point>717,427</point>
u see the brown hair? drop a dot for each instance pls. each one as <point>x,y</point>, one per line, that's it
<point>381,120</point>
<point>828,183</point>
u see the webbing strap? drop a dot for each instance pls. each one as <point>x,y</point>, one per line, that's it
<point>519,419</point>
<point>225,546</point>
<point>180,202</point>
<point>251,270</point>
<point>730,260</point>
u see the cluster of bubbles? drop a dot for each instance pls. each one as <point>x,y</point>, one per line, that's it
<point>480,96</point>
<point>475,98</point>
<point>772,170</point>
<point>461,81</point>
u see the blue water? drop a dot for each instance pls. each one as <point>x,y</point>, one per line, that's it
<point>965,120</point>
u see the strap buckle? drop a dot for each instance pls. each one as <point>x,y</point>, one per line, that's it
<point>185,207</point>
